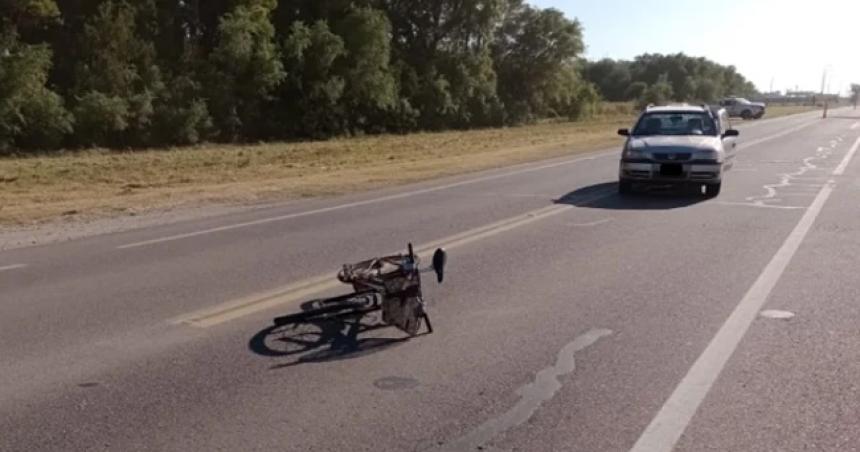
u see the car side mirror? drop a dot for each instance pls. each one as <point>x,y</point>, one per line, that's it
<point>731,133</point>
<point>624,132</point>
<point>440,258</point>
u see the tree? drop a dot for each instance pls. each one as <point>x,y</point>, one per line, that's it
<point>707,90</point>
<point>611,77</point>
<point>310,99</point>
<point>534,52</point>
<point>691,78</point>
<point>139,73</point>
<point>635,90</point>
<point>31,114</point>
<point>15,14</point>
<point>116,78</point>
<point>369,84</point>
<point>245,68</point>
<point>441,51</point>
<point>660,92</point>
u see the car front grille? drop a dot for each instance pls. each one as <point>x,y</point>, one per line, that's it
<point>672,157</point>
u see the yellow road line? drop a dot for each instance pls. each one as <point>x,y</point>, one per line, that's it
<point>302,290</point>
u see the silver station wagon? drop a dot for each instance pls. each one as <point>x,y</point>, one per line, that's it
<point>678,145</point>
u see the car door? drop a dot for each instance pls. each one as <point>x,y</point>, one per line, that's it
<point>730,144</point>
<point>731,106</point>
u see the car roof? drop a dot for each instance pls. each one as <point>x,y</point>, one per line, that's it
<point>676,109</point>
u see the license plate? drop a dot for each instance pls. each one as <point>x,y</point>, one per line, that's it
<point>671,170</point>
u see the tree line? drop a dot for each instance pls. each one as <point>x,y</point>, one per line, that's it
<point>143,73</point>
<point>655,78</point>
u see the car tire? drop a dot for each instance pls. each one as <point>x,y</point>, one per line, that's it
<point>746,114</point>
<point>625,187</point>
<point>713,190</point>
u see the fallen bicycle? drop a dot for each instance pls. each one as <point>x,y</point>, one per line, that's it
<point>391,284</point>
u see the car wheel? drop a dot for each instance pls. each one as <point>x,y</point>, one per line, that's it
<point>625,187</point>
<point>713,190</point>
<point>746,114</point>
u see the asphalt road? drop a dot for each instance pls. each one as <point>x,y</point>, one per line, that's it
<point>570,319</point>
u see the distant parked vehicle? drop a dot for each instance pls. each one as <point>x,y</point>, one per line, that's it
<point>738,107</point>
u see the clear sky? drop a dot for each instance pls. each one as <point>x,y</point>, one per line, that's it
<point>789,42</point>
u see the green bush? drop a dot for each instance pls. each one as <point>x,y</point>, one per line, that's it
<point>45,122</point>
<point>636,90</point>
<point>31,115</point>
<point>658,94</point>
<point>99,119</point>
<point>181,115</point>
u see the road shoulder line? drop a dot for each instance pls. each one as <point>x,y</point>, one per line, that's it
<point>664,431</point>
<point>12,267</point>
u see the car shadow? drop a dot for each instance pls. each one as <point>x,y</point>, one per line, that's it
<point>651,198</point>
<point>323,339</point>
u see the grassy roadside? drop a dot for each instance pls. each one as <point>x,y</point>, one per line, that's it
<point>101,183</point>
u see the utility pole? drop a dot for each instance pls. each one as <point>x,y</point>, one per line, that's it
<point>823,80</point>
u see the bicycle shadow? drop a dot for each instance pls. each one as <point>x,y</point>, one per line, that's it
<point>323,339</point>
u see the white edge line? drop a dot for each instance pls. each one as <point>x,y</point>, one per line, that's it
<point>362,203</point>
<point>843,165</point>
<point>666,428</point>
<point>664,431</point>
<point>759,206</point>
<point>12,267</point>
<point>744,145</point>
<point>591,223</point>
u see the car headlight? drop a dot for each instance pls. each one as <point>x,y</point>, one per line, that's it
<point>712,156</point>
<point>630,153</point>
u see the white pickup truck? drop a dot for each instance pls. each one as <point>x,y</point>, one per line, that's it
<point>738,107</point>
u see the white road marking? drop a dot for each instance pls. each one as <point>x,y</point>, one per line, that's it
<point>777,314</point>
<point>245,306</point>
<point>675,415</point>
<point>360,203</point>
<point>760,205</point>
<point>843,165</point>
<point>745,145</point>
<point>787,179</point>
<point>12,267</point>
<point>855,126</point>
<point>592,223</point>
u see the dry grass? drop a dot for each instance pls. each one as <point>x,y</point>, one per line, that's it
<point>775,111</point>
<point>102,183</point>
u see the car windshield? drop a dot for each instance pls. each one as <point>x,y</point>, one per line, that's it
<point>675,123</point>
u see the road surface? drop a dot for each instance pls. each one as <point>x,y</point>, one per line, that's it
<point>570,319</point>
